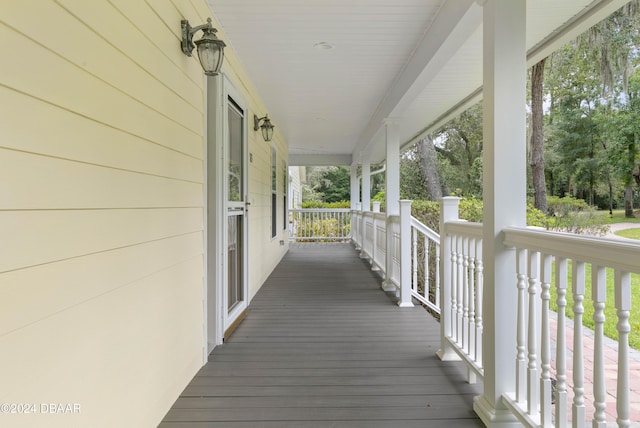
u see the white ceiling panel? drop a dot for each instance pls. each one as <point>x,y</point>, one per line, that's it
<point>411,59</point>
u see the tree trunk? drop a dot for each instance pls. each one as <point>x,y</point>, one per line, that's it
<point>628,191</point>
<point>628,201</point>
<point>537,137</point>
<point>429,167</point>
<point>610,195</point>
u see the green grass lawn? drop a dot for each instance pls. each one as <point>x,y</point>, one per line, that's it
<point>611,318</point>
<point>629,233</point>
<point>618,217</point>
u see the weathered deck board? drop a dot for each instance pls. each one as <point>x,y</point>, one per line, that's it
<point>323,346</point>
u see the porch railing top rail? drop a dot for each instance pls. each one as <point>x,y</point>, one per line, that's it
<point>597,251</point>
<point>422,228</point>
<point>321,210</point>
<point>465,228</point>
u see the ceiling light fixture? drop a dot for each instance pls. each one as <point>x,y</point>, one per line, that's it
<point>323,46</point>
<point>210,48</point>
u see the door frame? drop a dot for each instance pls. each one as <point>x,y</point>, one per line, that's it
<point>218,89</point>
<point>230,92</point>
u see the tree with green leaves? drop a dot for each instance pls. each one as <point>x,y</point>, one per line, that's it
<point>459,147</point>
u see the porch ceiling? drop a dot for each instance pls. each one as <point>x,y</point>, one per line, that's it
<point>417,60</point>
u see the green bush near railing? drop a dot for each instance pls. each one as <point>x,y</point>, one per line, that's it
<point>330,205</point>
<point>571,215</point>
<point>317,227</point>
<point>322,230</point>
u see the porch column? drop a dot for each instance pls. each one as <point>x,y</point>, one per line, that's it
<point>355,188</point>
<point>504,192</point>
<point>366,203</point>
<point>355,199</point>
<point>366,186</point>
<point>405,255</point>
<point>392,192</point>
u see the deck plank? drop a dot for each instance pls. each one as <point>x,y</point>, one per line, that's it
<point>323,346</point>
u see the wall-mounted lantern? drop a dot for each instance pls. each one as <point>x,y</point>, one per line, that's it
<point>210,48</point>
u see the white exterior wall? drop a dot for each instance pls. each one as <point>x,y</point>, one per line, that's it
<point>295,187</point>
<point>102,205</point>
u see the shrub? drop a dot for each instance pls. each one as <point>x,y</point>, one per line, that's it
<point>562,206</point>
<point>535,217</point>
<point>470,209</point>
<point>319,204</point>
<point>572,215</point>
<point>428,212</point>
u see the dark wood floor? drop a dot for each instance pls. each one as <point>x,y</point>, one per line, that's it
<point>323,346</point>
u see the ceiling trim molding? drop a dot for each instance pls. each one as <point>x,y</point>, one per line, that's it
<point>319,160</point>
<point>446,23</point>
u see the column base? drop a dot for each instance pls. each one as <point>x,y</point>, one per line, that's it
<point>405,304</point>
<point>447,354</point>
<point>492,417</point>
<point>387,285</point>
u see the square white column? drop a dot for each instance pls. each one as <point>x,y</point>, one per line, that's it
<point>504,194</point>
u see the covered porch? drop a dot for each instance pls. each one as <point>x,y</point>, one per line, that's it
<point>323,345</point>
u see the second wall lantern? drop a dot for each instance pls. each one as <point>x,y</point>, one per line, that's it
<point>266,127</point>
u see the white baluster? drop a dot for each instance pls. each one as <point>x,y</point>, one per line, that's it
<point>545,351</point>
<point>623,306</point>
<point>479,297</point>
<point>521,363</point>
<point>599,295</point>
<point>459,292</point>
<point>532,368</point>
<point>414,259</point>
<point>454,286</point>
<point>426,286</point>
<point>465,294</point>
<point>577,286</point>
<point>561,344</point>
<point>437,245</point>
<point>472,298</point>
<point>374,240</point>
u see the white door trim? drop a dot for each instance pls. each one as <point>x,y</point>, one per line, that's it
<point>230,92</point>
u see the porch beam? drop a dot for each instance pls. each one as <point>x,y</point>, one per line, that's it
<point>319,159</point>
<point>504,194</point>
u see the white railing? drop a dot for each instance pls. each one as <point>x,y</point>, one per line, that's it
<point>320,225</point>
<point>539,254</point>
<point>461,316</point>
<point>547,346</point>
<point>425,262</point>
<point>370,231</point>
<point>558,380</point>
<point>395,275</point>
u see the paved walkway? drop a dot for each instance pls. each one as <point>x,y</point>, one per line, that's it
<point>611,373</point>
<point>616,227</point>
<point>611,357</point>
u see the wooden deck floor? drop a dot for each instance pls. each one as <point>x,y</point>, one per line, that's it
<point>323,346</point>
